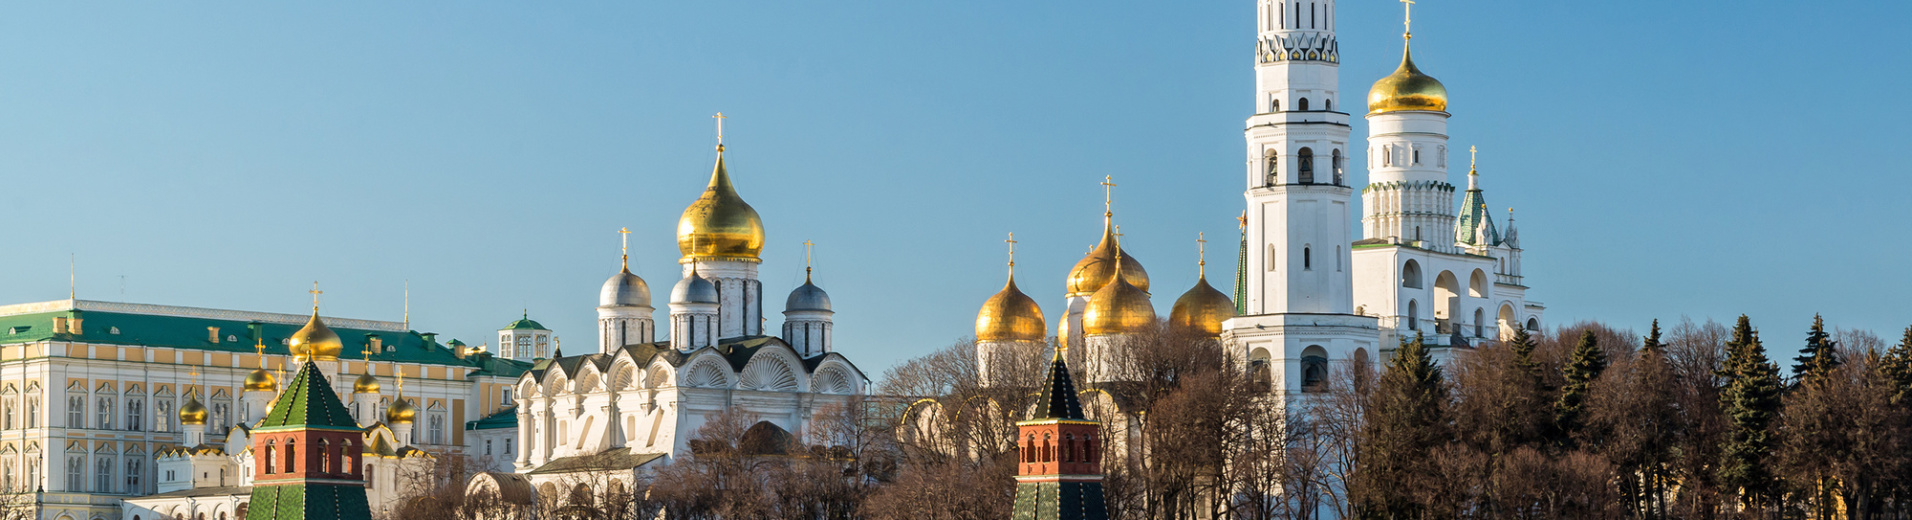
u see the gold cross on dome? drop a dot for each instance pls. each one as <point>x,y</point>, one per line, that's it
<point>1012,249</point>
<point>1407,19</point>
<point>1201,248</point>
<point>1108,193</point>
<point>1118,231</point>
<point>720,128</point>
<point>1473,156</point>
<point>625,235</point>
<point>315,296</point>
<point>809,250</point>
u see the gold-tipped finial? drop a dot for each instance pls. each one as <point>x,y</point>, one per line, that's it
<point>315,296</point>
<point>261,348</point>
<point>1012,253</point>
<point>1201,255</point>
<point>408,304</point>
<point>624,251</point>
<point>72,288</point>
<point>1118,234</point>
<point>720,130</point>
<point>1407,20</point>
<point>1108,196</point>
<point>809,250</point>
<point>1241,222</point>
<point>1473,157</point>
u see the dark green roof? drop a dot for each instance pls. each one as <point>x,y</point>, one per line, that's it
<point>489,365</point>
<point>611,459</point>
<point>308,403</point>
<point>506,418</point>
<point>1058,395</point>
<point>308,502</point>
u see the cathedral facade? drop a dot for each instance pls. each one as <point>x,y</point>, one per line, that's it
<point>604,418</point>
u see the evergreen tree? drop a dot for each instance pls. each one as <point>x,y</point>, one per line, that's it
<point>1750,401</point>
<point>1652,345</point>
<point>1820,355</point>
<point>1896,366</point>
<point>1585,365</point>
<point>1404,423</point>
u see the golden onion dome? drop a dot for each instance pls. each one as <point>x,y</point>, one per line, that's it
<point>720,224</point>
<point>1201,310</point>
<point>401,412</point>
<point>261,381</point>
<point>1118,308</point>
<point>192,413</point>
<point>1407,89</point>
<point>315,342</point>
<point>365,384</point>
<point>1095,271</point>
<point>1010,315</point>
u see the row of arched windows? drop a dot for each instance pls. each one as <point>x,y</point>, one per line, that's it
<point>1304,167</point>
<point>1277,16</point>
<point>1071,450</point>
<point>1301,105</point>
<point>286,460</point>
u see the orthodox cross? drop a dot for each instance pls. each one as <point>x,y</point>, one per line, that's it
<point>195,379</point>
<point>720,128</point>
<point>1012,251</point>
<point>1201,255</point>
<point>1108,194</point>
<point>1118,232</point>
<point>315,297</point>
<point>1473,156</point>
<point>261,348</point>
<point>1407,20</point>
<point>809,248</point>
<point>625,250</point>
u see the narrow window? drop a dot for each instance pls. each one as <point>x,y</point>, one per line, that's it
<point>272,452</point>
<point>1337,259</point>
<point>1273,162</point>
<point>1307,258</point>
<point>1417,156</point>
<point>1302,105</point>
<point>1271,258</point>
<point>1339,178</point>
<point>1328,105</point>
<point>1413,315</point>
<point>1304,165</point>
<point>291,456</point>
<point>1274,105</point>
<point>1311,15</point>
<point>1387,156</point>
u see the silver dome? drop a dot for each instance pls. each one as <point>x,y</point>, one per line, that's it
<point>625,289</point>
<point>807,297</point>
<point>694,289</point>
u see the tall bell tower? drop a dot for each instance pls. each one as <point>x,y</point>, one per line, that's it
<point>1297,298</point>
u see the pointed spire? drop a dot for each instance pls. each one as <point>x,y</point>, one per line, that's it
<point>1473,170</point>
<point>1058,392</point>
<point>1241,267</point>
<point>1201,255</point>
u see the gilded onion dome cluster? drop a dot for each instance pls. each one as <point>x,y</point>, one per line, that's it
<point>1098,269</point>
<point>1120,307</point>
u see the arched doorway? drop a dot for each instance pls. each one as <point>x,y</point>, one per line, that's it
<point>1447,302</point>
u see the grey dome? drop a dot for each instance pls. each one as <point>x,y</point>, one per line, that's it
<point>625,289</point>
<point>807,297</point>
<point>694,289</point>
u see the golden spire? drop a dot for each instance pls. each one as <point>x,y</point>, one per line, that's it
<point>1201,255</point>
<point>624,251</point>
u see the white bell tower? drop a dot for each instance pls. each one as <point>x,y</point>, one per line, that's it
<point>1298,296</point>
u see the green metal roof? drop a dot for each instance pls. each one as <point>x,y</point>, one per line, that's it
<point>506,418</point>
<point>308,403</point>
<point>525,323</point>
<point>235,336</point>
<point>308,502</point>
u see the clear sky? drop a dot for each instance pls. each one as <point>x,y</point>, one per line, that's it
<point>1665,158</point>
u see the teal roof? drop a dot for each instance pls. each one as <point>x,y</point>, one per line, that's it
<point>308,403</point>
<point>525,323</point>
<point>506,418</point>
<point>1475,227</point>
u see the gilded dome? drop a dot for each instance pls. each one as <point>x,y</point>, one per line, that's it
<point>1118,308</point>
<point>1095,271</point>
<point>401,412</point>
<point>365,384</point>
<point>1407,89</point>
<point>261,381</point>
<point>1201,310</point>
<point>720,224</point>
<point>192,413</point>
<point>1010,315</point>
<point>315,341</point>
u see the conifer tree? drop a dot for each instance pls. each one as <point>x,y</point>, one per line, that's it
<point>1896,366</point>
<point>1820,355</point>
<point>1585,365</point>
<point>1750,400</point>
<point>1405,422</point>
<point>1652,345</point>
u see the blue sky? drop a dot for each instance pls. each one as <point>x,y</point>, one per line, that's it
<point>1666,158</point>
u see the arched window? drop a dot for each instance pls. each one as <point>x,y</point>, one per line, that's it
<point>1314,369</point>
<point>1328,105</point>
<point>1340,178</point>
<point>1088,449</point>
<point>1272,166</point>
<point>1029,450</point>
<point>1304,166</point>
<point>1417,156</point>
<point>325,456</point>
<point>1068,448</point>
<point>272,457</point>
<point>1479,316</point>
<point>1271,258</point>
<point>1307,258</point>
<point>1411,274</point>
<point>1387,155</point>
<point>1413,315</point>
<point>291,456</point>
<point>1533,324</point>
<point>1274,104</point>
<point>1302,104</point>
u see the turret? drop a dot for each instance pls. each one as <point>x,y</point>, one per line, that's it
<point>807,318</point>
<point>624,308</point>
<point>1008,326</point>
<point>694,312</point>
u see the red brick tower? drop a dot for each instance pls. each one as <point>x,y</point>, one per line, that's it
<point>1060,474</point>
<point>307,453</point>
